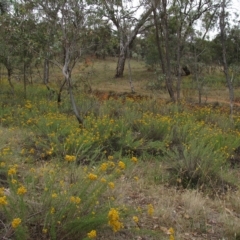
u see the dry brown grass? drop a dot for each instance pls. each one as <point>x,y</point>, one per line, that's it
<point>191,213</point>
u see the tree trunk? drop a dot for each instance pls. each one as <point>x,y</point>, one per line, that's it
<point>224,60</point>
<point>130,73</point>
<point>67,74</point>
<point>121,63</point>
<point>160,54</point>
<point>24,80</point>
<point>127,44</point>
<point>46,72</point>
<point>9,73</point>
<point>169,82</point>
<point>59,98</point>
<point>179,71</point>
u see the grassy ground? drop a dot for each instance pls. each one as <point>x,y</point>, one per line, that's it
<point>37,136</point>
<point>100,75</point>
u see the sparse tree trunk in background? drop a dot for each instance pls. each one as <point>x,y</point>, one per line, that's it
<point>130,73</point>
<point>162,61</point>
<point>9,73</point>
<point>224,59</point>
<point>46,71</point>
<point>169,81</point>
<point>196,77</point>
<point>25,79</point>
<point>179,67</point>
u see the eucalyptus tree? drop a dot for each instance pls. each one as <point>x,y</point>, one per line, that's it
<point>26,35</point>
<point>201,51</point>
<point>160,12</point>
<point>7,43</point>
<point>125,18</point>
<point>186,14</point>
<point>174,23</point>
<point>222,24</point>
<point>16,42</point>
<point>69,20</point>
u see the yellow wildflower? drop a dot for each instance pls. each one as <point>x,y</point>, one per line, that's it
<point>171,230</point>
<point>12,171</point>
<point>171,237</point>
<point>111,164</point>
<point>2,191</point>
<point>92,234</point>
<point>28,104</point>
<point>121,165</point>
<point>113,217</point>
<point>150,209</point>
<point>110,158</point>
<point>54,195</point>
<point>50,152</point>
<point>44,230</point>
<point>103,166</point>
<point>2,164</point>
<point>136,178</point>
<point>92,176</point>
<point>70,158</point>
<point>135,219</point>
<point>111,185</point>
<point>21,190</point>
<point>134,159</point>
<point>16,222</point>
<point>3,200</point>
<point>52,211</point>
<point>32,170</point>
<point>14,181</point>
<point>76,200</point>
<point>103,180</point>
<point>32,151</point>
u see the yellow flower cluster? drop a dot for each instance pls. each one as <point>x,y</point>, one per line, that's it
<point>70,158</point>
<point>3,200</point>
<point>74,199</point>
<point>12,171</point>
<point>52,210</point>
<point>54,195</point>
<point>28,105</point>
<point>135,219</point>
<point>92,234</point>
<point>1,191</point>
<point>92,176</point>
<point>113,220</point>
<point>103,167</point>
<point>134,159</point>
<point>111,185</point>
<point>21,190</point>
<point>150,210</point>
<point>121,165</point>
<point>16,222</point>
<point>171,231</point>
